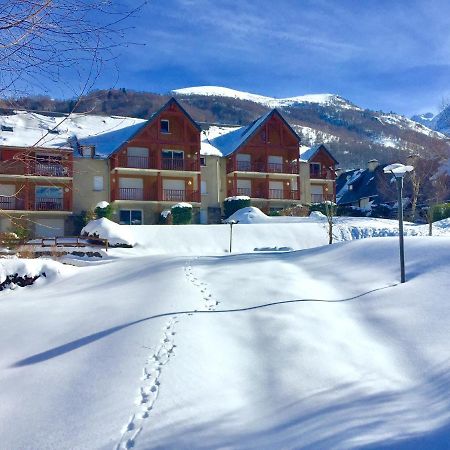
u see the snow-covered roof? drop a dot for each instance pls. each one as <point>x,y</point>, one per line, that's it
<point>208,135</point>
<point>29,129</point>
<point>308,154</point>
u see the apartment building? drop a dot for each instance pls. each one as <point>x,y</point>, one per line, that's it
<point>53,167</point>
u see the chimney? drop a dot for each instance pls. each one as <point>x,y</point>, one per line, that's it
<point>372,165</point>
<point>338,171</point>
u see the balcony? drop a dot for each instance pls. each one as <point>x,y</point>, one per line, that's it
<point>175,195</point>
<point>39,204</point>
<point>321,174</point>
<point>12,167</point>
<point>262,167</point>
<point>152,163</point>
<point>167,195</point>
<point>269,194</point>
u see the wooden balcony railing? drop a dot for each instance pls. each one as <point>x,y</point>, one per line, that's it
<point>169,195</point>
<point>269,194</point>
<point>261,166</point>
<point>178,195</point>
<point>145,162</point>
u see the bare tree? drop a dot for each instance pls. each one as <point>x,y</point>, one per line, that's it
<point>60,42</point>
<point>439,192</point>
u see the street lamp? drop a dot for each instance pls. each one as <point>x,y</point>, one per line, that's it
<point>232,222</point>
<point>399,171</point>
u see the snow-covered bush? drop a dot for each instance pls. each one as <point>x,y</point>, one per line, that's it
<point>104,209</point>
<point>181,213</point>
<point>165,217</point>
<point>117,235</point>
<point>233,204</point>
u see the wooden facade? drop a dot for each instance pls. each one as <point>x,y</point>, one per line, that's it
<point>161,163</point>
<point>266,166</point>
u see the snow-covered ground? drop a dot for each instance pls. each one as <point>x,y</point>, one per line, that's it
<point>312,349</point>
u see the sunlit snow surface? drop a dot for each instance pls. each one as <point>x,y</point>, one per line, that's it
<point>229,351</point>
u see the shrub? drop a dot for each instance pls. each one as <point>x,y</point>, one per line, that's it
<point>351,211</point>
<point>106,212</point>
<point>181,213</point>
<point>441,211</point>
<point>82,219</point>
<point>165,217</point>
<point>233,204</point>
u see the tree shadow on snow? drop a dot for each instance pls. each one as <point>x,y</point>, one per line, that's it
<point>73,345</point>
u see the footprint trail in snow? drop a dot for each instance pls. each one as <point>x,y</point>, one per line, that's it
<point>149,388</point>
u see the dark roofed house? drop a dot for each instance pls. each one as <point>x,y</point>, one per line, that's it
<point>362,188</point>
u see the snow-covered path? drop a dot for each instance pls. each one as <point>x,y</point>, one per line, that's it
<point>224,352</point>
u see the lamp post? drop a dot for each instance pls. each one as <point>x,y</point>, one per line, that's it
<point>232,222</point>
<point>399,171</point>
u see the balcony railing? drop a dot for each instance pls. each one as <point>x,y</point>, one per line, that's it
<point>145,162</point>
<point>269,194</point>
<point>179,195</point>
<point>12,167</point>
<point>49,204</point>
<point>131,194</point>
<point>7,202</point>
<point>262,167</point>
<point>168,195</point>
<point>321,174</point>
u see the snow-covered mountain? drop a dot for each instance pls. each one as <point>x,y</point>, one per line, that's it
<point>271,102</point>
<point>438,122</point>
<point>355,135</point>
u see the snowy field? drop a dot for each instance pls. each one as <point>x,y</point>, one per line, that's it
<point>316,348</point>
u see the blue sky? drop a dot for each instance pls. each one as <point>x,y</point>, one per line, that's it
<point>383,54</point>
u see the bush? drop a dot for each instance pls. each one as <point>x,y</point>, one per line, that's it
<point>326,208</point>
<point>165,217</point>
<point>295,211</point>
<point>181,214</point>
<point>82,219</point>
<point>106,212</point>
<point>441,211</point>
<point>233,204</point>
<point>351,211</point>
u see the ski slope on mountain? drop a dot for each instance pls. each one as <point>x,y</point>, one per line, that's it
<point>208,352</point>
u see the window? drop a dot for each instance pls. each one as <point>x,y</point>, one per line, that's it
<point>98,183</point>
<point>49,198</point>
<point>202,161</point>
<point>314,170</point>
<point>130,217</point>
<point>7,128</point>
<point>164,126</point>
<point>204,190</point>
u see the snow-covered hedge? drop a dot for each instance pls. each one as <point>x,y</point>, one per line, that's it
<point>233,204</point>
<point>181,213</point>
<point>106,229</point>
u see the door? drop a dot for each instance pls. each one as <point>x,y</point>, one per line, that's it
<point>131,189</point>
<point>243,162</point>
<point>174,190</point>
<point>316,194</point>
<point>49,228</point>
<point>276,189</point>
<point>173,159</point>
<point>49,198</point>
<point>137,157</point>
<point>244,187</point>
<point>275,164</point>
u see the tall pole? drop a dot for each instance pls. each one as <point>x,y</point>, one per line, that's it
<point>231,234</point>
<point>400,227</point>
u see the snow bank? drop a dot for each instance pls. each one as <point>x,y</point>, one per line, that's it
<point>31,268</point>
<point>106,229</point>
